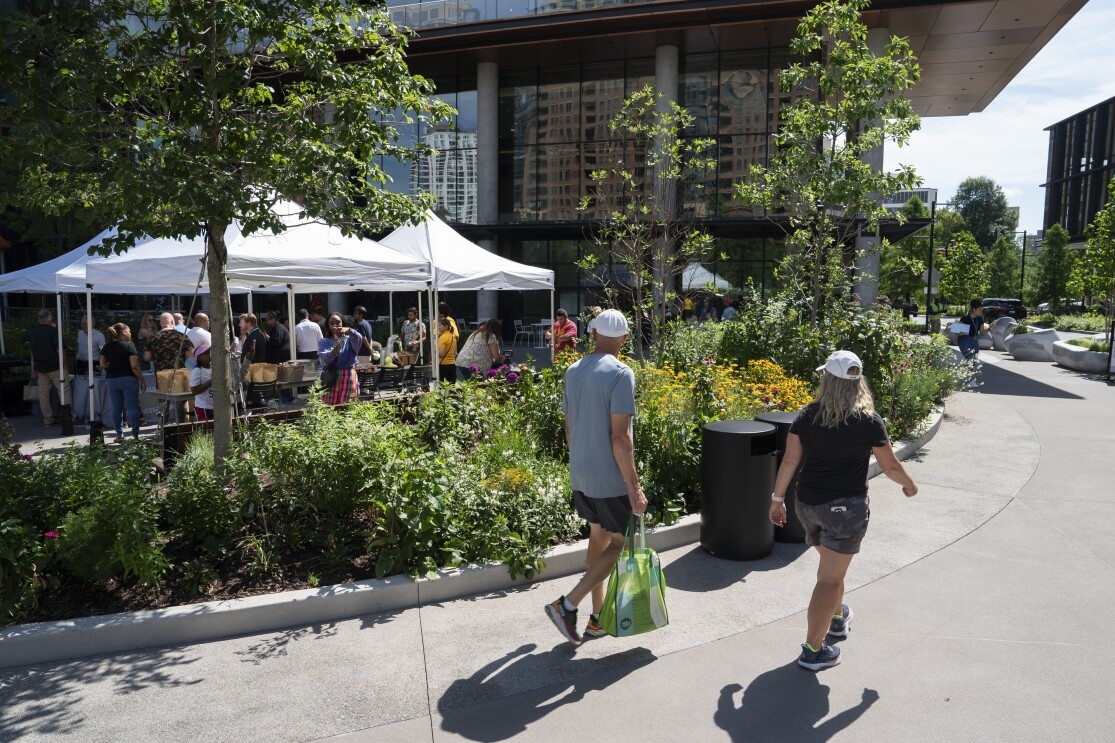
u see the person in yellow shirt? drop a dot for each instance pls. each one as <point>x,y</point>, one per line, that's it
<point>445,313</point>
<point>447,352</point>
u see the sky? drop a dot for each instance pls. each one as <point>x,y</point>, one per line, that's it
<point>1007,141</point>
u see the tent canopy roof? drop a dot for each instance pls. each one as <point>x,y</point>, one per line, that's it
<point>459,264</point>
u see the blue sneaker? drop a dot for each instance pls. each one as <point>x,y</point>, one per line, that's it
<point>839,626</point>
<point>827,657</point>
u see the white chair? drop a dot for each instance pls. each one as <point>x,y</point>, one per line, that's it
<point>525,332</point>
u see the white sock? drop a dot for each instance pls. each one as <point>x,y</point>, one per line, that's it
<point>568,606</point>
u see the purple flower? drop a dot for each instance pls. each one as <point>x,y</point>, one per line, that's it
<point>491,373</point>
<point>474,368</point>
<point>50,534</point>
<point>503,368</point>
<point>512,377</point>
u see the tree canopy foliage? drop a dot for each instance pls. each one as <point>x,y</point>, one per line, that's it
<point>1053,268</point>
<point>964,271</point>
<point>1094,274</point>
<point>983,205</point>
<point>179,118</point>
<point>845,102</point>
<point>902,263</point>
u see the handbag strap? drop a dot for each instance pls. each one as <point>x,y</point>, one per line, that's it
<point>636,535</point>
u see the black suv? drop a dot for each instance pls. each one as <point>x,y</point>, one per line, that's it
<point>996,307</point>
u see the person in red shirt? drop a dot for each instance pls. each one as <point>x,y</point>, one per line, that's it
<point>563,333</point>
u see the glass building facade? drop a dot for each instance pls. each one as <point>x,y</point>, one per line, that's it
<point>553,131</point>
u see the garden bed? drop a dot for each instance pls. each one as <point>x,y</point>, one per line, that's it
<point>471,474</point>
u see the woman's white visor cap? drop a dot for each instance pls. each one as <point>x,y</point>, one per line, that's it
<point>840,362</point>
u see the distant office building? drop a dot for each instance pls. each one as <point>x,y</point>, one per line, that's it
<point>1081,164</point>
<point>895,201</point>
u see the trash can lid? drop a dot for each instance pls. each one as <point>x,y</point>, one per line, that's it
<point>777,416</point>
<point>745,428</point>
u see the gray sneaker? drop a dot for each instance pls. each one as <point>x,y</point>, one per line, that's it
<point>827,657</point>
<point>839,627</point>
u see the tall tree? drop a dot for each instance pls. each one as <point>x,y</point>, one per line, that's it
<point>1094,273</point>
<point>1053,268</point>
<point>846,102</point>
<point>984,206</point>
<point>173,118</point>
<point>633,199</point>
<point>901,264</point>
<point>964,271</point>
<point>1002,268</point>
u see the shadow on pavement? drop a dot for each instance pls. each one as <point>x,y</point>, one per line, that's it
<point>784,704</point>
<point>510,713</point>
<point>46,698</point>
<point>999,381</point>
<point>697,571</point>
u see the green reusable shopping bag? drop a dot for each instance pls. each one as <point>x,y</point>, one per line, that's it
<point>636,597</point>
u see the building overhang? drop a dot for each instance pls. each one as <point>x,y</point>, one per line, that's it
<point>969,50</point>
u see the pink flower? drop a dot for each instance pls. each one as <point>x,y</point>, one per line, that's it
<point>50,534</point>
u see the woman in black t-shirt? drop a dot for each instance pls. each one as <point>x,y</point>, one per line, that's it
<point>836,435</point>
<point>124,378</point>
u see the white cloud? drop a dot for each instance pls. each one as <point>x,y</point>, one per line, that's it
<point>1007,142</point>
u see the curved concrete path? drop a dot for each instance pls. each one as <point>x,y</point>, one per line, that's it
<point>979,607</point>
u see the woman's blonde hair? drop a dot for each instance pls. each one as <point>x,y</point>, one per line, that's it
<point>838,399</point>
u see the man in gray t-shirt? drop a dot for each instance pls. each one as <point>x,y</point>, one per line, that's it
<point>598,400</point>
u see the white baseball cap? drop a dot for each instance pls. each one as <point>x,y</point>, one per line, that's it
<point>840,362</point>
<point>610,323</point>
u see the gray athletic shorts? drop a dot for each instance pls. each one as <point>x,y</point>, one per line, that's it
<point>839,525</point>
<point>611,514</point>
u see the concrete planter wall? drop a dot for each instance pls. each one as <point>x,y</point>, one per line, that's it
<point>1000,329</point>
<point>1037,345</point>
<point>1079,359</point>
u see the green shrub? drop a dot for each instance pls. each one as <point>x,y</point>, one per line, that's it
<point>111,527</point>
<point>204,513</point>
<point>1081,323</point>
<point>25,554</point>
<point>1092,344</point>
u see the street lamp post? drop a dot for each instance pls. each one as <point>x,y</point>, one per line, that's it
<point>929,273</point>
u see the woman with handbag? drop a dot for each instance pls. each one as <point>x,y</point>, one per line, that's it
<point>338,357</point>
<point>120,360</point>
<point>837,433</point>
<point>481,350</point>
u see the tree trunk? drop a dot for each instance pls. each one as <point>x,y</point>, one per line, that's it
<point>221,353</point>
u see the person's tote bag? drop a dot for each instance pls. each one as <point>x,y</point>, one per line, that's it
<point>636,597</point>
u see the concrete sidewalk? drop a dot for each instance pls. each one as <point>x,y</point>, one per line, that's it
<point>979,606</point>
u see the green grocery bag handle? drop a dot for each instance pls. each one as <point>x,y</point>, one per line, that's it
<point>629,538</point>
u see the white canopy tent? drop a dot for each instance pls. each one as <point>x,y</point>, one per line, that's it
<point>695,277</point>
<point>456,264</point>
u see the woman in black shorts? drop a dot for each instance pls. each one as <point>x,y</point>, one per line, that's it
<point>836,433</point>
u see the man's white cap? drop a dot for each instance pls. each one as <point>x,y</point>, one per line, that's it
<point>840,362</point>
<point>609,323</point>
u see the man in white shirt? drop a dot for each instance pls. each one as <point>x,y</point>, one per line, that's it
<point>82,355</point>
<point>199,334</point>
<point>306,335</point>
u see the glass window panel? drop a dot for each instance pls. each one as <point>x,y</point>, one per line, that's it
<point>601,99</point>
<point>743,99</point>
<point>736,155</point>
<point>640,73</point>
<point>559,105</point>
<point>698,191</point>
<point>518,101</point>
<point>535,252</point>
<point>699,82</point>
<point>565,274</point>
<point>564,251</point>
<point>559,181</point>
<point>466,111</point>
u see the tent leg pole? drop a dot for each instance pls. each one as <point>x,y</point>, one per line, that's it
<point>65,410</point>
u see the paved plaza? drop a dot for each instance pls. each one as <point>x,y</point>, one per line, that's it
<point>983,610</point>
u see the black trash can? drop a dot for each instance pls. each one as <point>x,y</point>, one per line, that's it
<point>737,478</point>
<point>792,531</point>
